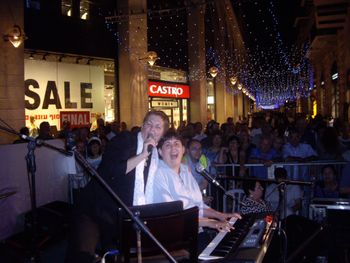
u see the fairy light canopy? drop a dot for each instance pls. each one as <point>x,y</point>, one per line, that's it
<point>266,63</point>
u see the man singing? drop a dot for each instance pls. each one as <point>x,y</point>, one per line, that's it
<point>128,167</point>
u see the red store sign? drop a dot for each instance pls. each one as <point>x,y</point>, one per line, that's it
<point>168,90</point>
<point>77,119</point>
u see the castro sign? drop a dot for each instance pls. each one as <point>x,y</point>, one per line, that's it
<point>168,90</point>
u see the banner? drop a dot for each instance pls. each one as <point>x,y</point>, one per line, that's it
<point>52,87</point>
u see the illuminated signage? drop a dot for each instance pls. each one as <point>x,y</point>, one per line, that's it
<point>164,104</point>
<point>168,90</point>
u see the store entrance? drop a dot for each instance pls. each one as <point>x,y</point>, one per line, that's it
<point>175,109</point>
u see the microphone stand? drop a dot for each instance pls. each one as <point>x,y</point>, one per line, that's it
<point>213,181</point>
<point>31,169</point>
<point>282,208</point>
<point>135,219</point>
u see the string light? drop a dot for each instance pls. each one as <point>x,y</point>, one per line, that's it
<point>269,70</point>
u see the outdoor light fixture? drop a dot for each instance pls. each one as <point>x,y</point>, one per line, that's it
<point>15,36</point>
<point>239,87</point>
<point>233,80</point>
<point>213,71</point>
<point>150,57</point>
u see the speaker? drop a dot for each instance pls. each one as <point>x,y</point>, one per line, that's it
<point>52,218</point>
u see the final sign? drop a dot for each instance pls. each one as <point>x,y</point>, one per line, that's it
<point>77,119</point>
<point>168,90</point>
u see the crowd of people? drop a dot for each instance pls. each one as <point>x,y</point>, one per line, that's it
<point>140,173</point>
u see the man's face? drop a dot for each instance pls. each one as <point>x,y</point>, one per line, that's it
<point>294,139</point>
<point>171,152</point>
<point>265,145</point>
<point>153,127</point>
<point>195,150</point>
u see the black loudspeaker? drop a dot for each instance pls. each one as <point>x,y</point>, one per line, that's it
<point>52,218</point>
<point>52,225</point>
<point>305,241</point>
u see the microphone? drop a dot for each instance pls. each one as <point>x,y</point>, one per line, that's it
<point>275,188</point>
<point>201,170</point>
<point>149,148</point>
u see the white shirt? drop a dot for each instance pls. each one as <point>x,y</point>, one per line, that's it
<point>171,186</point>
<point>141,196</point>
<point>293,193</point>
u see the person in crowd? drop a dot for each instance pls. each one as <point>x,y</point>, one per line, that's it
<point>198,131</point>
<point>114,130</point>
<point>277,145</point>
<point>80,178</point>
<point>188,130</point>
<point>263,154</point>
<point>175,182</point>
<point>233,155</point>
<point>94,152</point>
<point>24,131</point>
<point>344,184</point>
<point>65,130</point>
<point>327,186</point>
<point>293,194</point>
<point>256,130</point>
<point>101,128</point>
<point>94,124</point>
<point>294,151</point>
<point>128,167</point>
<point>266,131</point>
<point>307,135</point>
<point>212,126</point>
<point>193,157</point>
<point>328,147</point>
<point>344,136</point>
<point>253,201</point>
<point>82,133</point>
<point>213,152</point>
<point>33,128</point>
<point>135,129</point>
<point>123,126</point>
<point>44,131</point>
<point>227,129</point>
<point>245,141</point>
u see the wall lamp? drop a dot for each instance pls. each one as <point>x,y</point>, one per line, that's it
<point>213,71</point>
<point>233,80</point>
<point>15,35</point>
<point>151,58</point>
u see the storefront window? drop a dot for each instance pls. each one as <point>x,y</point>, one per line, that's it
<point>210,99</point>
<point>67,8</point>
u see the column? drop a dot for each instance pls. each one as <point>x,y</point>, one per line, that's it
<point>196,63</point>
<point>133,96</point>
<point>12,71</point>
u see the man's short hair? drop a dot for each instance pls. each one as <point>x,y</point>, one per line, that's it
<point>161,114</point>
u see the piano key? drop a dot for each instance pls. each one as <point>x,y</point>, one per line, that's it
<point>205,255</point>
<point>226,243</point>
